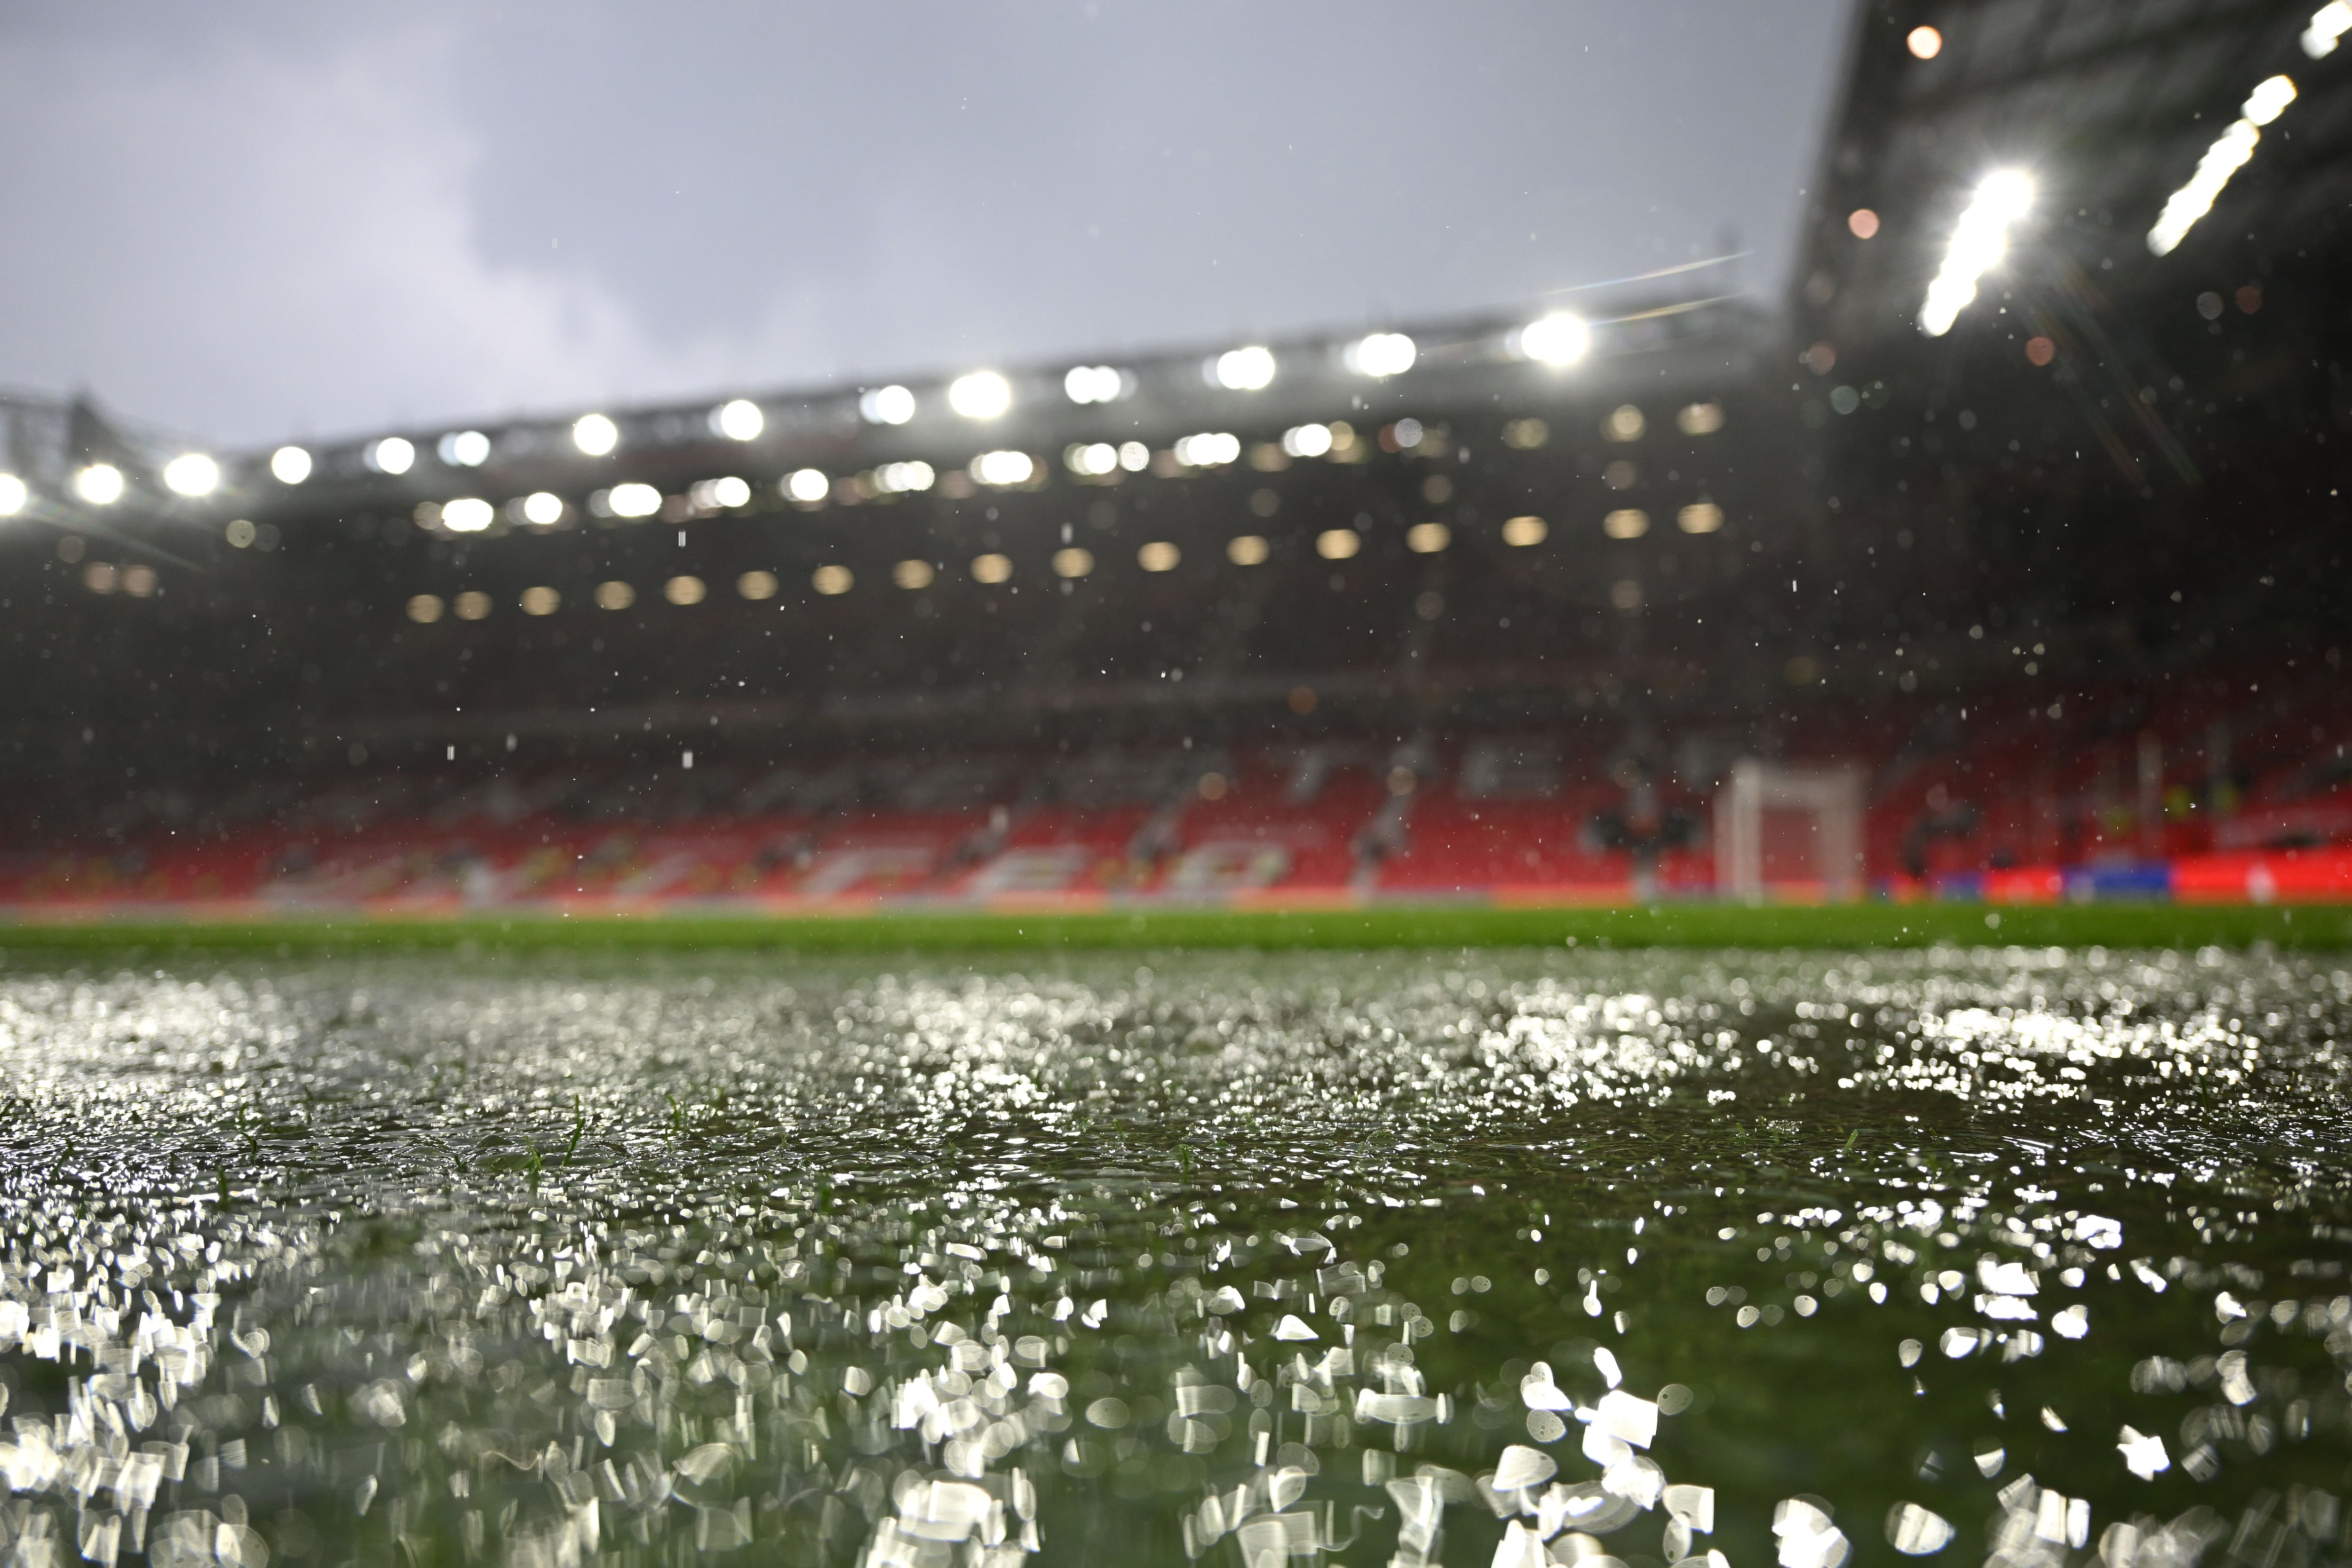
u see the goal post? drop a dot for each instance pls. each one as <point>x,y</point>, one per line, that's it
<point>1796,830</point>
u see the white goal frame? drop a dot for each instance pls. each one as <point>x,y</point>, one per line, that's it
<point>1833,795</point>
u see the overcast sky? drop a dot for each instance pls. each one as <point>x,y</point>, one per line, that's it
<point>254,221</point>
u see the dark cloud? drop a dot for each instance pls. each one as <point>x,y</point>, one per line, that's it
<point>262,220</point>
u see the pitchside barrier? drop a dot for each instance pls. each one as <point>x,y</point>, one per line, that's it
<point>2281,877</point>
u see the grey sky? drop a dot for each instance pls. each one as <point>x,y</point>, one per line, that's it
<point>251,221</point>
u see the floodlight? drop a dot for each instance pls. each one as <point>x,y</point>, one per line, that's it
<point>1243,369</point>
<point>739,421</point>
<point>898,479</point>
<point>192,474</point>
<point>886,405</point>
<point>633,500</point>
<point>2328,24</point>
<point>393,454</point>
<point>1979,243</point>
<point>1558,339</point>
<point>1381,354</point>
<point>100,484</point>
<point>463,449</point>
<point>466,515</point>
<point>595,434</point>
<point>291,464</point>
<point>983,394</point>
<point>2194,200</point>
<point>807,486</point>
<point>1093,384</point>
<point>1307,440</point>
<point>2269,100</point>
<point>1210,449</point>
<point>1003,467</point>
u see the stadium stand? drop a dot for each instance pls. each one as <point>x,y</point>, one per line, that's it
<point>2066,581</point>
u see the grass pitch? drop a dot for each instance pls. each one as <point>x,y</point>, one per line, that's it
<point>1826,926</point>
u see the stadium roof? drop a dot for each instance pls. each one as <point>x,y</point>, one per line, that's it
<point>2108,106</point>
<point>1684,330</point>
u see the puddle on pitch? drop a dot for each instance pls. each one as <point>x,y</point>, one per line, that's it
<point>2018,1256</point>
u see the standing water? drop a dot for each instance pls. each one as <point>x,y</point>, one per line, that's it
<point>2015,1258</point>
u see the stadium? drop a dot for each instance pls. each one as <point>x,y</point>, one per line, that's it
<point>1659,591</point>
<point>1718,911</point>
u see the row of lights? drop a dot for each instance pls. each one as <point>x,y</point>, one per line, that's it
<point>2228,154</point>
<point>1980,239</point>
<point>636,500</point>
<point>102,484</point>
<point>192,474</point>
<point>1978,245</point>
<point>1070,562</point>
<point>1556,340</point>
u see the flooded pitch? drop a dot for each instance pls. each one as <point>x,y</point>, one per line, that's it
<point>2015,1258</point>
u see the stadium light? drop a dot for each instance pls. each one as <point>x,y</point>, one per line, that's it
<point>13,494</point>
<point>391,456</point>
<point>1558,339</point>
<point>100,484</point>
<point>1978,245</point>
<point>2224,158</point>
<point>898,479</point>
<point>463,449</point>
<point>595,434</point>
<point>1003,467</point>
<point>1091,459</point>
<point>1381,354</point>
<point>1134,456</point>
<point>542,508</point>
<point>632,500</point>
<point>192,474</point>
<point>1307,440</point>
<point>721,495</point>
<point>1242,369</point>
<point>982,394</point>
<point>886,405</point>
<point>291,464</point>
<point>1210,449</point>
<point>466,515</point>
<point>739,421</point>
<point>1925,43</point>
<point>1095,383</point>
<point>2328,24</point>
<point>807,486</point>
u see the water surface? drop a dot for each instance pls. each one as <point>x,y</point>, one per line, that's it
<point>2012,1257</point>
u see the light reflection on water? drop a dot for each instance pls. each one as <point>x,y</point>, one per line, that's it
<point>2010,1257</point>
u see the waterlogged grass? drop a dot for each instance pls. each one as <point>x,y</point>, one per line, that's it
<point>1802,926</point>
<point>929,1260</point>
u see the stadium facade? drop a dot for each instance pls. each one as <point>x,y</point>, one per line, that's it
<point>2003,557</point>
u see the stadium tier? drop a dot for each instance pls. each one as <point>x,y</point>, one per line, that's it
<point>2213,796</point>
<point>2007,566</point>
